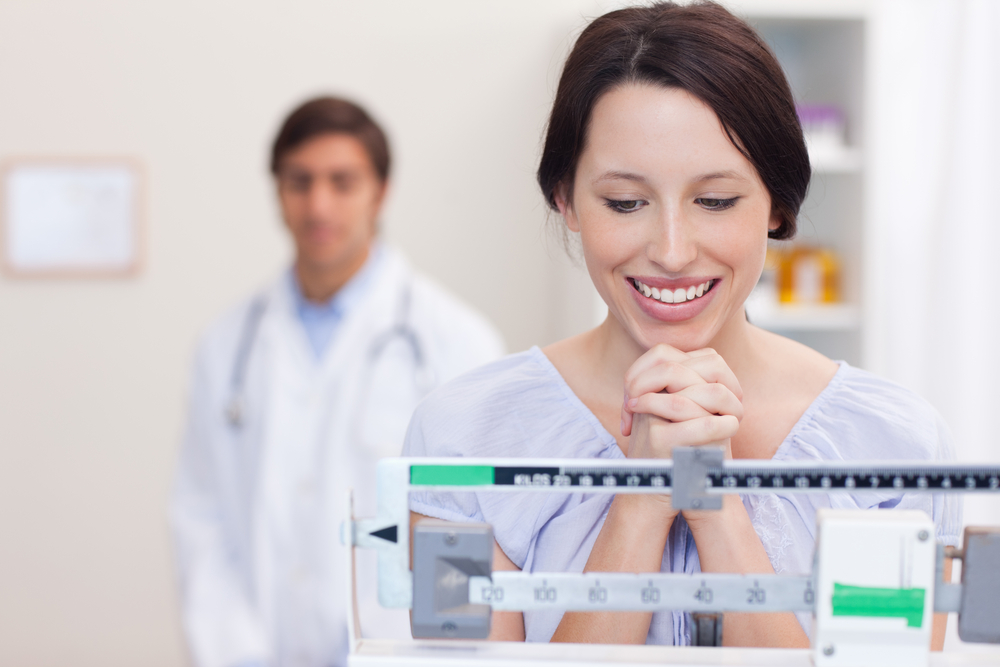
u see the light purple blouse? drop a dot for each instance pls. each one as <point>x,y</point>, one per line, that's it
<point>520,406</point>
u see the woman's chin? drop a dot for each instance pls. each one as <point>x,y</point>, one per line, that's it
<point>686,338</point>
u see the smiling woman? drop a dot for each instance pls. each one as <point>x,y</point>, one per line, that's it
<point>673,149</point>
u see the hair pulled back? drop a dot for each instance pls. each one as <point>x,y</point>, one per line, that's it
<point>331,115</point>
<point>700,48</point>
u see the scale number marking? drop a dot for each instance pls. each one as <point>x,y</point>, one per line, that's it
<point>756,595</point>
<point>493,593</point>
<point>545,593</point>
<point>650,594</point>
<point>704,594</point>
<point>598,594</point>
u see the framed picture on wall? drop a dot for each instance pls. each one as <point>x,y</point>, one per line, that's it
<point>74,218</point>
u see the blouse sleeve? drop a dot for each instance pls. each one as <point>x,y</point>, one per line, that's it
<point>423,438</point>
<point>863,417</point>
<point>944,508</point>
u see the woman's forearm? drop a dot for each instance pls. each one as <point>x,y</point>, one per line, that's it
<point>727,542</point>
<point>632,539</point>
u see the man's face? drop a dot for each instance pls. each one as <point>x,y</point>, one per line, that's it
<point>330,196</point>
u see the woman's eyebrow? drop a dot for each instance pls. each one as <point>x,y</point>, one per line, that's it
<point>638,178</point>
<point>620,176</point>
<point>718,175</point>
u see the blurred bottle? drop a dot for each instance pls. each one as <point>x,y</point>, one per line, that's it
<point>766,290</point>
<point>809,275</point>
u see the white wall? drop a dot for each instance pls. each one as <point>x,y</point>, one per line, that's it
<point>92,373</point>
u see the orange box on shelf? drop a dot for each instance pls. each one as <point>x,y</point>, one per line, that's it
<point>808,275</point>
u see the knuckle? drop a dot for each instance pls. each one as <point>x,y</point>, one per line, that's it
<point>718,391</point>
<point>729,424</point>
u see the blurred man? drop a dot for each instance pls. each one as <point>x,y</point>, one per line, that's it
<point>296,393</point>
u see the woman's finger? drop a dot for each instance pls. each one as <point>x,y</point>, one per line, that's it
<point>701,431</point>
<point>715,398</point>
<point>670,376</point>
<point>654,356</point>
<point>691,403</point>
<point>713,368</point>
<point>656,438</point>
<point>667,376</point>
<point>671,407</point>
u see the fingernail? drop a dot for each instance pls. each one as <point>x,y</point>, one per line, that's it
<point>633,402</point>
<point>623,426</point>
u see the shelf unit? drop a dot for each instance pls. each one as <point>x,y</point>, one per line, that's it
<point>822,50</point>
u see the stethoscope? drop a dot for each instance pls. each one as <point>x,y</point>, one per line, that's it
<point>424,377</point>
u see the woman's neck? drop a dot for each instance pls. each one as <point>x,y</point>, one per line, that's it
<point>614,349</point>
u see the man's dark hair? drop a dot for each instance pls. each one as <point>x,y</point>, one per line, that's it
<point>331,115</point>
<point>700,48</point>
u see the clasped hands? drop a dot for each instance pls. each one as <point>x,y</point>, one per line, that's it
<point>675,398</point>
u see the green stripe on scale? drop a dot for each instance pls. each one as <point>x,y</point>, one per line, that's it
<point>432,475</point>
<point>905,603</point>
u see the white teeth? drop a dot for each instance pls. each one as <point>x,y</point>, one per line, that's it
<point>679,295</point>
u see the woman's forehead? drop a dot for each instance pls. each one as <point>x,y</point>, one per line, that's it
<point>642,130</point>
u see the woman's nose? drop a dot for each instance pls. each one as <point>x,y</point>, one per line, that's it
<point>672,245</point>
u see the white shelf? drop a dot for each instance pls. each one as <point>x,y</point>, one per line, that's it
<point>840,160</point>
<point>831,317</point>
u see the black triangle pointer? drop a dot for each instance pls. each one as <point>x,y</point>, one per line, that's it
<point>388,534</point>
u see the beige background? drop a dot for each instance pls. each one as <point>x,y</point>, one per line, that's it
<point>93,373</point>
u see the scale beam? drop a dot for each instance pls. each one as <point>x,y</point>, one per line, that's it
<point>456,589</point>
<point>616,591</point>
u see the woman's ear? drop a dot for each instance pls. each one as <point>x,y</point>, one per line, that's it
<point>775,221</point>
<point>566,207</point>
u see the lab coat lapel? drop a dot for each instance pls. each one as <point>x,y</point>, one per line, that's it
<point>290,377</point>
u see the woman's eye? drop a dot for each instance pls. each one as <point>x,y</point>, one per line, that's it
<point>716,204</point>
<point>625,205</point>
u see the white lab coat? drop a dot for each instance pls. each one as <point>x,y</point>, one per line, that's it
<point>256,511</point>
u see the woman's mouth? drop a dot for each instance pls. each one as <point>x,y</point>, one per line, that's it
<point>676,295</point>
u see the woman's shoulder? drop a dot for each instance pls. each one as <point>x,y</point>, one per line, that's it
<point>515,406</point>
<point>860,415</point>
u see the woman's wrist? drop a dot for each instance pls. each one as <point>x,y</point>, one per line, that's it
<point>727,540</point>
<point>723,520</point>
<point>640,519</point>
<point>642,508</point>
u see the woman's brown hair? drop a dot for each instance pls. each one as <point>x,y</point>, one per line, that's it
<point>700,48</point>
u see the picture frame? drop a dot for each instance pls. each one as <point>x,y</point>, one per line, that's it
<point>75,218</point>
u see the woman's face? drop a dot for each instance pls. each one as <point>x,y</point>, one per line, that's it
<point>673,219</point>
